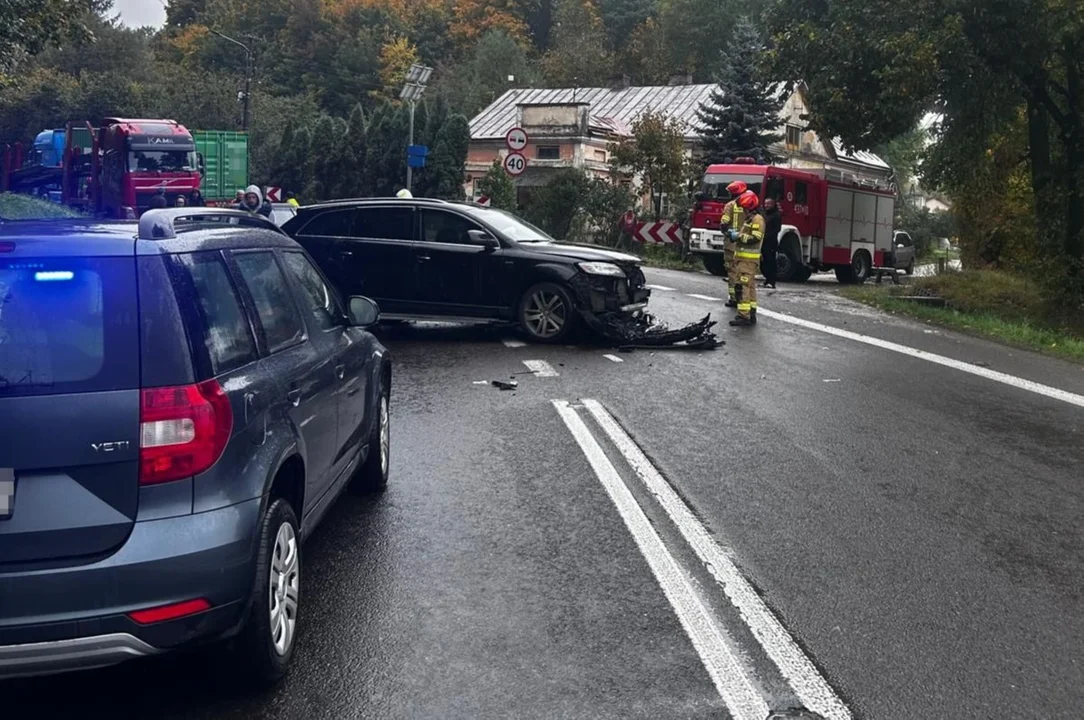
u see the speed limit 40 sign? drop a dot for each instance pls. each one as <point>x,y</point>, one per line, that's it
<point>515,163</point>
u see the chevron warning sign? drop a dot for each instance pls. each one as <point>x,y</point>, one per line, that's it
<point>658,233</point>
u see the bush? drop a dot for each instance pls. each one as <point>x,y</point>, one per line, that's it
<point>25,207</point>
<point>973,291</point>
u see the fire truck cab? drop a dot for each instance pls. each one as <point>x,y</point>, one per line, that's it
<point>828,223</point>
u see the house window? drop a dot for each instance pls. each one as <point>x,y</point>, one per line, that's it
<point>600,155</point>
<point>794,137</point>
<point>548,152</point>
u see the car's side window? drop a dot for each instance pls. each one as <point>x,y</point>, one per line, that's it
<point>905,240</point>
<point>271,295</point>
<point>321,301</point>
<point>384,223</point>
<point>226,332</point>
<point>445,227</point>
<point>333,223</point>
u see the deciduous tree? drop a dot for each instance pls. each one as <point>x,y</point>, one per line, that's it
<point>654,157</point>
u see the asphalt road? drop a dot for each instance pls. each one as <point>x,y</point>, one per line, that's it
<point>877,530</point>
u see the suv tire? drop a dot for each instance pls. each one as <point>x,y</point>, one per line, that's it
<point>373,475</point>
<point>267,641</point>
<point>546,313</point>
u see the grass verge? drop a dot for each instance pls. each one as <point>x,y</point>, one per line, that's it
<point>663,257</point>
<point>990,304</point>
<point>25,207</point>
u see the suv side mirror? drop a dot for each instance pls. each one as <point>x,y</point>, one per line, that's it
<point>363,312</point>
<point>699,196</point>
<point>481,237</point>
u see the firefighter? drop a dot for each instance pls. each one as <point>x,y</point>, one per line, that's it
<point>729,224</point>
<point>747,259</point>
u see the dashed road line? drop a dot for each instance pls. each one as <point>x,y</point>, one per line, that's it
<point>541,368</point>
<point>659,287</point>
<point>614,358</point>
<point>709,298</point>
<point>509,342</point>
<point>810,686</point>
<point>726,671</point>
<point>1004,378</point>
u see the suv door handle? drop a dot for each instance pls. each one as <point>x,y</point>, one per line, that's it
<point>423,258</point>
<point>294,396</point>
<point>340,371</point>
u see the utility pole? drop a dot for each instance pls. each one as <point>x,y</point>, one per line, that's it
<point>417,77</point>
<point>248,75</point>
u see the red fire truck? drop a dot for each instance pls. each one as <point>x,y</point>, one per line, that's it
<point>828,223</point>
<point>113,170</point>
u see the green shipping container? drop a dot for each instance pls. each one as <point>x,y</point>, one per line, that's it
<point>225,161</point>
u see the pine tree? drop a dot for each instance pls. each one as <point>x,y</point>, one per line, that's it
<point>740,118</point>
<point>444,171</point>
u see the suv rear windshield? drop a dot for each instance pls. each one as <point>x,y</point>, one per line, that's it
<point>68,325</point>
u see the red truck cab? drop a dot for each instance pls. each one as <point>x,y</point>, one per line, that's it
<point>137,158</point>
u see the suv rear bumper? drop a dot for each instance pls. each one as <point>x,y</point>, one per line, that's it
<point>75,654</point>
<point>76,617</point>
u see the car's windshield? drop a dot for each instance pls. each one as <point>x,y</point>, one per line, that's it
<point>162,160</point>
<point>510,226</point>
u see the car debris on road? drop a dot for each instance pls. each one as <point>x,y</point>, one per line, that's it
<point>644,331</point>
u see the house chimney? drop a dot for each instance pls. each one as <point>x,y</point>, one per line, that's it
<point>619,82</point>
<point>683,79</point>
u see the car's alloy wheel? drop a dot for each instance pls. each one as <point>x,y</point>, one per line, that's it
<point>283,588</point>
<point>545,314</point>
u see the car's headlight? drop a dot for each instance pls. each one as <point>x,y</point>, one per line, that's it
<point>694,235</point>
<point>601,268</point>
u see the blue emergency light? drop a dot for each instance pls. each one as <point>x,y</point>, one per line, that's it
<point>54,275</point>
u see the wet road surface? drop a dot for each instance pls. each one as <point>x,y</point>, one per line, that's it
<point>865,531</point>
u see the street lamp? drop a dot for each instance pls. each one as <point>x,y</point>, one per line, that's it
<point>416,78</point>
<point>248,74</point>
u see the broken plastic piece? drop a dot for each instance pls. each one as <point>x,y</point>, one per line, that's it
<point>502,385</point>
<point>644,330</point>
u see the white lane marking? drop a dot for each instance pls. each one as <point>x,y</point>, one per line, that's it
<point>540,368</point>
<point>659,287</point>
<point>1011,380</point>
<point>614,358</point>
<point>508,342</point>
<point>705,297</point>
<point>812,689</point>
<point>734,686</point>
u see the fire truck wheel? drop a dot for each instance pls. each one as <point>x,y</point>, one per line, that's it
<point>857,272</point>
<point>714,264</point>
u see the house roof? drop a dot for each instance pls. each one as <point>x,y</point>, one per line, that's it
<point>617,108</point>
<point>857,156</point>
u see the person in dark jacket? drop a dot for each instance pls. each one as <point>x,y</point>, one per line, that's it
<point>254,202</point>
<point>197,199</point>
<point>159,200</point>
<point>773,222</point>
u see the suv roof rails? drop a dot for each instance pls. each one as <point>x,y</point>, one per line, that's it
<point>343,201</point>
<point>160,224</point>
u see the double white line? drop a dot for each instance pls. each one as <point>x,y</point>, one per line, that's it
<point>729,675</point>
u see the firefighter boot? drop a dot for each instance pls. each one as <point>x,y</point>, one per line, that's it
<point>740,321</point>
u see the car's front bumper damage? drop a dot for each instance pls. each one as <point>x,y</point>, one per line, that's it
<point>613,309</point>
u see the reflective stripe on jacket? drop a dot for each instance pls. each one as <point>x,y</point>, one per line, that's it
<point>750,238</point>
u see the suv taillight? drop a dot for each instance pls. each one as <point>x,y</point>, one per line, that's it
<point>182,430</point>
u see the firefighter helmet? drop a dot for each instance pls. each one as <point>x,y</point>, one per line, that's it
<point>736,188</point>
<point>748,200</point>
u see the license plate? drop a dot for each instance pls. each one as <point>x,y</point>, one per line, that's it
<point>7,493</point>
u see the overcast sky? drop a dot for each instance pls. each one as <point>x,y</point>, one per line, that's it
<point>138,13</point>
